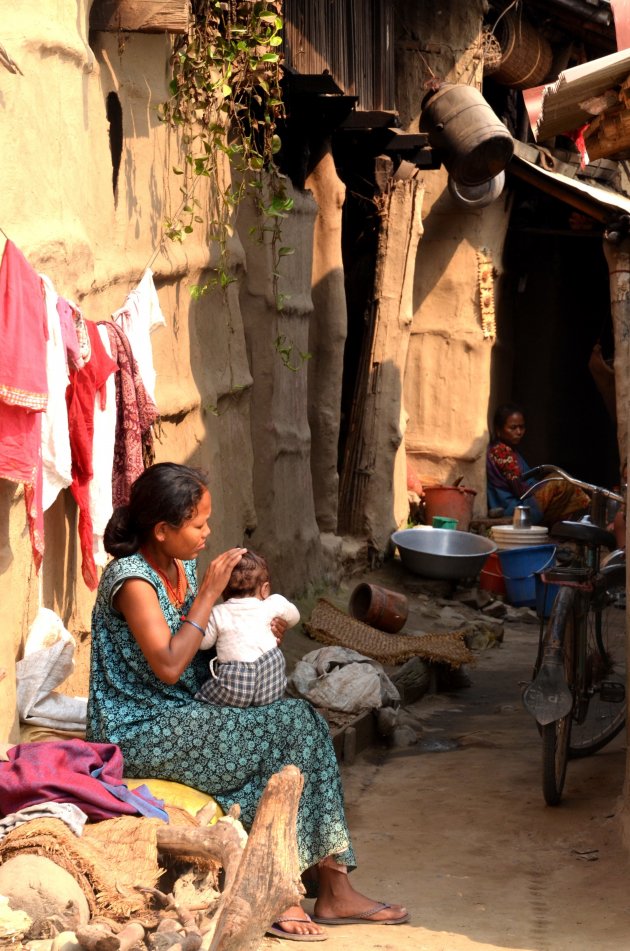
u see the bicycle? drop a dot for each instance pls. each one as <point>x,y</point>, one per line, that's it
<point>578,688</point>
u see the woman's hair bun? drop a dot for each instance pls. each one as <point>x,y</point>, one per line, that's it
<point>120,538</point>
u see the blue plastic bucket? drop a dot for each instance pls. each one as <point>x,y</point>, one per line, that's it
<point>545,596</point>
<point>519,567</point>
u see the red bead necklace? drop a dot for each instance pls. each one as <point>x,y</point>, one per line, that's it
<point>176,594</point>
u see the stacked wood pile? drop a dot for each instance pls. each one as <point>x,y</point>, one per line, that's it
<point>608,135</point>
<point>259,875</point>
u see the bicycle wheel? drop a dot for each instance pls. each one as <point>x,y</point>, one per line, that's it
<point>601,712</point>
<point>556,736</point>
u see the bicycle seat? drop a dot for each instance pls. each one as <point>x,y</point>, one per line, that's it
<point>586,533</point>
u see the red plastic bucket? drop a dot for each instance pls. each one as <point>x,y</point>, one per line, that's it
<point>452,501</point>
<point>491,575</point>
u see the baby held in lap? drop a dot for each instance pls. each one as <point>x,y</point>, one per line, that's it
<point>249,669</point>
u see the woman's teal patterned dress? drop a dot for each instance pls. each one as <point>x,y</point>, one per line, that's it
<point>227,752</point>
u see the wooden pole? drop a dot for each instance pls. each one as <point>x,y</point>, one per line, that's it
<point>618,260</point>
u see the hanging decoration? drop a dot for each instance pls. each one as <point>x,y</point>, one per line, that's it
<point>486,293</point>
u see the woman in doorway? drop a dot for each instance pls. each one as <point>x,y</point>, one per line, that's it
<point>505,467</point>
<point>148,621</point>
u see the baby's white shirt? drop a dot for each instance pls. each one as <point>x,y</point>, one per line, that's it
<point>241,627</point>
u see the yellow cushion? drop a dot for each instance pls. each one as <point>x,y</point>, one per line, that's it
<point>176,794</point>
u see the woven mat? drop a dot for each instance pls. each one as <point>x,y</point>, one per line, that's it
<point>108,860</point>
<point>329,625</point>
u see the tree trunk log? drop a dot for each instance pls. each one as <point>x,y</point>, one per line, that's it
<point>326,338</point>
<point>268,878</point>
<point>618,260</point>
<point>221,841</point>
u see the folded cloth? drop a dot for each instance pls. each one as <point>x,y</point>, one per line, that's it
<point>89,775</point>
<point>73,817</point>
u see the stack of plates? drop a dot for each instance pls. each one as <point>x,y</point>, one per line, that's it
<point>506,536</point>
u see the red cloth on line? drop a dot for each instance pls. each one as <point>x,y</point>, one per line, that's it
<point>23,384</point>
<point>81,395</point>
<point>24,332</point>
<point>63,771</point>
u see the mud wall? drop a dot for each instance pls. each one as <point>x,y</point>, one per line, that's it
<point>60,208</point>
<point>447,378</point>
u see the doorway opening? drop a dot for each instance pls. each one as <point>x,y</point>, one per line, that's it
<point>554,307</point>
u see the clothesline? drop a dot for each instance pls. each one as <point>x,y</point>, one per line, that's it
<point>149,263</point>
<point>77,400</point>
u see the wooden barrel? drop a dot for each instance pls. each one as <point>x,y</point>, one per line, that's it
<point>526,56</point>
<point>473,142</point>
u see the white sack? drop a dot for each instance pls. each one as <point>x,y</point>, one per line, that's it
<point>341,679</point>
<point>48,660</point>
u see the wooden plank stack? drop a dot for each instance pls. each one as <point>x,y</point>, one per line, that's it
<point>608,135</point>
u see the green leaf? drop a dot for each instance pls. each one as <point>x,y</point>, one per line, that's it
<point>284,252</point>
<point>270,58</point>
<point>275,41</point>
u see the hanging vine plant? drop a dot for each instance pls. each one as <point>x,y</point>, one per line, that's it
<point>226,101</point>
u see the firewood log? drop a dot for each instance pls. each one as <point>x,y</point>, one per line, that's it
<point>268,878</point>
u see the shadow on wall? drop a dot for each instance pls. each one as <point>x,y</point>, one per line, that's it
<point>216,429</point>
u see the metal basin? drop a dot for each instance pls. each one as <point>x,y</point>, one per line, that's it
<point>441,552</point>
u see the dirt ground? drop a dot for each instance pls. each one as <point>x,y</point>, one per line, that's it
<point>455,826</point>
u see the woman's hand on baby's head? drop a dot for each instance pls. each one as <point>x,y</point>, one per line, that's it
<point>219,570</point>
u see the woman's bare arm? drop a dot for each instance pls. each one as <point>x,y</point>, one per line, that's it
<point>167,655</point>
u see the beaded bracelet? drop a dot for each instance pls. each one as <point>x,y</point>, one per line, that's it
<point>187,620</point>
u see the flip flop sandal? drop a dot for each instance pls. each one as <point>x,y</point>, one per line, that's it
<point>279,932</point>
<point>363,919</point>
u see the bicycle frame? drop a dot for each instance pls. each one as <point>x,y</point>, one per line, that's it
<point>549,698</point>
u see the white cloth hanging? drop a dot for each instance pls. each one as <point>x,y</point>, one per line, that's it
<point>139,316</point>
<point>56,454</point>
<point>100,489</point>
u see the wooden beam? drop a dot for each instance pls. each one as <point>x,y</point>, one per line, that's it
<point>140,16</point>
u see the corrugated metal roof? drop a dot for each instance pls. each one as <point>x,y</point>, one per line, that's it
<point>601,203</point>
<point>561,110</point>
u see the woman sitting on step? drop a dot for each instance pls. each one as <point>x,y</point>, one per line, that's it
<point>148,622</point>
<point>505,467</point>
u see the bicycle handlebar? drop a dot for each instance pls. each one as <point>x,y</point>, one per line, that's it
<point>560,475</point>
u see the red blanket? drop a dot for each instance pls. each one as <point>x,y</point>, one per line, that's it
<point>89,775</point>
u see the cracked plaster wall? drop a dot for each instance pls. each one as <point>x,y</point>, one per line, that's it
<point>59,208</point>
<point>448,373</point>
